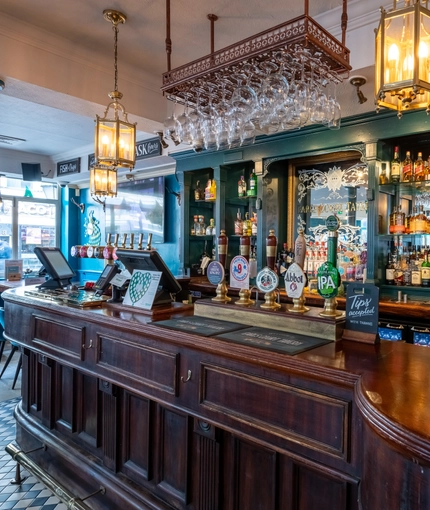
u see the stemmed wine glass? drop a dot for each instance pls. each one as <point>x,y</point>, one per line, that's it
<point>169,130</point>
<point>197,119</point>
<point>183,123</point>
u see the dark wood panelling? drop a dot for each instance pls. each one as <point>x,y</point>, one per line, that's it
<point>110,432</point>
<point>88,410</point>
<point>65,399</point>
<point>173,459</point>
<point>207,466</point>
<point>154,367</point>
<point>283,409</point>
<point>48,391</point>
<point>136,437</point>
<point>59,338</point>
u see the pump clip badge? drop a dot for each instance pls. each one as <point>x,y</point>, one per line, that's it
<point>328,280</point>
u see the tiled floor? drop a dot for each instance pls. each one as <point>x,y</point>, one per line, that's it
<point>31,493</point>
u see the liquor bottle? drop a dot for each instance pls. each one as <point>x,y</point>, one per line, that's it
<point>199,192</point>
<point>420,221</point>
<point>419,169</point>
<point>407,168</point>
<point>247,226</point>
<point>241,187</point>
<point>238,224</point>
<point>412,219</point>
<point>212,192</point>
<point>407,269</point>
<point>254,226</point>
<point>425,271</point>
<point>399,221</point>
<point>395,166</point>
<point>416,274</point>
<point>389,271</point>
<point>383,178</point>
<point>252,188</point>
<point>208,190</point>
<point>392,216</point>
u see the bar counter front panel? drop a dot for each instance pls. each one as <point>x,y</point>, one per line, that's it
<point>163,419</point>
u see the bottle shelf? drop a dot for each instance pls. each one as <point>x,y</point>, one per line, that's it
<point>201,238</point>
<point>392,236</point>
<point>405,188</point>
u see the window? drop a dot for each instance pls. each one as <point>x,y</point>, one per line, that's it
<point>29,217</point>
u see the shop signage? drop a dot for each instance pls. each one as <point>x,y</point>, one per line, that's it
<point>148,148</point>
<point>91,160</point>
<point>72,166</point>
<point>362,308</point>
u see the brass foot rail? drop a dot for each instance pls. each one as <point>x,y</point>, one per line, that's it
<point>68,499</point>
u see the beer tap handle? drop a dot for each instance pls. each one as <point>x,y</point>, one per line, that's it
<point>131,241</point>
<point>140,243</point>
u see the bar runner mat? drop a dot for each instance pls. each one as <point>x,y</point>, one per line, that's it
<point>273,340</point>
<point>264,338</point>
<point>200,325</point>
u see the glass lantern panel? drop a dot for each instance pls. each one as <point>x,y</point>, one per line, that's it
<point>378,62</point>
<point>126,142</point>
<point>399,48</point>
<point>106,140</point>
<point>424,48</point>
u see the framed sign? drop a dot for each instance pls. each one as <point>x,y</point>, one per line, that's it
<point>148,148</point>
<point>72,166</point>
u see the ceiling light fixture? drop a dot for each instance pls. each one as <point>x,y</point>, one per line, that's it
<point>276,80</point>
<point>402,69</point>
<point>115,138</point>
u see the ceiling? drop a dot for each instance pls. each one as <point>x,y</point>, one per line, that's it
<point>68,118</point>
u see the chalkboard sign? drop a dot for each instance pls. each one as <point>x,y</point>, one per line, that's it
<point>72,166</point>
<point>362,311</point>
<point>91,160</point>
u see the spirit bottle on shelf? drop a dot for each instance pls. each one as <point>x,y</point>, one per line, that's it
<point>420,221</point>
<point>247,227</point>
<point>425,270</point>
<point>252,188</point>
<point>212,190</point>
<point>254,227</point>
<point>208,190</point>
<point>238,224</point>
<point>395,166</point>
<point>412,219</point>
<point>210,229</point>
<point>407,168</point>
<point>392,223</point>
<point>399,221</point>
<point>383,178</point>
<point>419,168</point>
<point>241,187</point>
<point>389,270</point>
<point>199,192</point>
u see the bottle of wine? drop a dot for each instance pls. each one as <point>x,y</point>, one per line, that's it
<point>395,166</point>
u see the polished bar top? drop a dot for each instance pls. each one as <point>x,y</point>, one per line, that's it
<point>392,378</point>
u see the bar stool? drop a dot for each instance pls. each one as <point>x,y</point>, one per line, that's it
<point>14,349</point>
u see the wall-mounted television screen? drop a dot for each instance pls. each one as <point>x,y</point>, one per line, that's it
<point>138,208</point>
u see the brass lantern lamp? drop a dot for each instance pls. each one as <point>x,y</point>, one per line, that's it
<point>115,138</point>
<point>402,80</point>
<point>103,181</point>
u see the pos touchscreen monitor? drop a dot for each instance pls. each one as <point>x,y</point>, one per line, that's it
<point>150,260</point>
<point>56,267</point>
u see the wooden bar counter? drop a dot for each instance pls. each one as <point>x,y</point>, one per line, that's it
<point>163,419</point>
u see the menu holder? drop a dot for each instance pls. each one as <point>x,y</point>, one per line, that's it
<point>13,270</point>
<point>362,312</point>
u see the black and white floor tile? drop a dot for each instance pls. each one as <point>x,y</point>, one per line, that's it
<point>31,493</point>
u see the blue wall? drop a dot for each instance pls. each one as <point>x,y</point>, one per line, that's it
<point>73,229</point>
